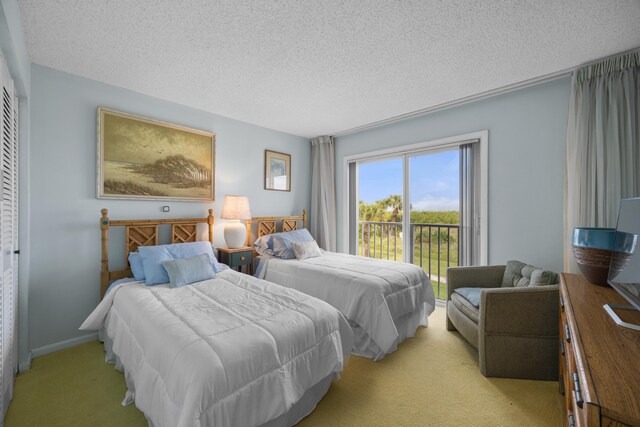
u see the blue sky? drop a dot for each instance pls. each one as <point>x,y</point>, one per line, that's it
<point>434,186</point>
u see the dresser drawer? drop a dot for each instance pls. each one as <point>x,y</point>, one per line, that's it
<point>240,258</point>
<point>599,366</point>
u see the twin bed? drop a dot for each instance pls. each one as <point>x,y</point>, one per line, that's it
<point>384,301</point>
<point>238,350</point>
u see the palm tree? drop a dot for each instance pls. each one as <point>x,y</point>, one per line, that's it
<point>369,212</point>
<point>393,204</point>
<point>385,210</point>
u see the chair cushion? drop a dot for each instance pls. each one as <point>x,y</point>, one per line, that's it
<point>465,307</point>
<point>470,294</point>
<point>519,275</point>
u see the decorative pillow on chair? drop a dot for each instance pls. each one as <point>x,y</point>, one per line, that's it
<point>189,270</point>
<point>518,274</point>
<point>282,242</point>
<point>470,294</point>
<point>304,250</point>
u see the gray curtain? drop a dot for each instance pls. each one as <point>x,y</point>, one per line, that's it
<point>323,192</point>
<point>603,151</point>
<point>469,232</point>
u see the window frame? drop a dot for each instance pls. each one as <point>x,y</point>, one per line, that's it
<point>406,151</point>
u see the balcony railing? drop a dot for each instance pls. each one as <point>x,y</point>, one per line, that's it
<point>435,247</point>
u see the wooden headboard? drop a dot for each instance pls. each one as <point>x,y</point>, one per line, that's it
<point>269,225</point>
<point>144,232</point>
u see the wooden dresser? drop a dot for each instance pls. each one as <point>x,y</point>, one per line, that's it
<point>599,361</point>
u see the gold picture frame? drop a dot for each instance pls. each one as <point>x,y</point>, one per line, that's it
<point>277,171</point>
<point>145,159</point>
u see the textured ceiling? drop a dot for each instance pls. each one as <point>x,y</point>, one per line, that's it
<point>314,67</point>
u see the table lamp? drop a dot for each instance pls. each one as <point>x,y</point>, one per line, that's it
<point>235,208</point>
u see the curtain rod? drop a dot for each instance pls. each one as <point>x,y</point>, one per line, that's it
<point>479,96</point>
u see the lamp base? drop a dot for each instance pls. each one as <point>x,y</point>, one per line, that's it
<point>235,234</point>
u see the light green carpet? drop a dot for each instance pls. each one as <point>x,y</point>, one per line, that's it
<point>432,380</point>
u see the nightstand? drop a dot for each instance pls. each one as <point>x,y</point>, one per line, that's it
<point>236,258</point>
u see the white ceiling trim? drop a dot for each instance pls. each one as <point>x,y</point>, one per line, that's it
<point>478,97</point>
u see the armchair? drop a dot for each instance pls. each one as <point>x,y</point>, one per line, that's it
<point>510,314</point>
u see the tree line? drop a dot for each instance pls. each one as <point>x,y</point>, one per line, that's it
<point>389,210</point>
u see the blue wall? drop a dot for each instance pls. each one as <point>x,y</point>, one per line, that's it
<point>65,238</point>
<point>527,137</point>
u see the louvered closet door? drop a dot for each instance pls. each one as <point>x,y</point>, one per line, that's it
<point>8,238</point>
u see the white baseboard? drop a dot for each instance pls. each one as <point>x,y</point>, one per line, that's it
<point>41,351</point>
<point>25,365</point>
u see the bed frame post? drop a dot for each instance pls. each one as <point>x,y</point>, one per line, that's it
<point>304,218</point>
<point>248,223</point>
<point>104,271</point>
<point>210,222</point>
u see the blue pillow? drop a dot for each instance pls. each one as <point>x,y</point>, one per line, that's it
<point>264,245</point>
<point>470,294</point>
<point>135,262</point>
<point>153,256</point>
<point>189,270</point>
<point>282,242</point>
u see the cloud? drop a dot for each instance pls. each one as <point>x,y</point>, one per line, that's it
<point>433,203</point>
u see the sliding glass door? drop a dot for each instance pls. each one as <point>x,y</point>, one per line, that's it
<point>380,189</point>
<point>420,206</point>
<point>434,213</point>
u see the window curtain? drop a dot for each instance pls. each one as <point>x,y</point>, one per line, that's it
<point>469,232</point>
<point>323,192</point>
<point>603,151</point>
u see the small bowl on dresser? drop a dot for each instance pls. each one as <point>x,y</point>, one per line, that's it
<point>593,249</point>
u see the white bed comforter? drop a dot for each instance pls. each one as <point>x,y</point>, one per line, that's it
<point>370,292</point>
<point>233,350</point>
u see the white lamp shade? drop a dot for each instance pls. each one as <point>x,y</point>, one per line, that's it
<point>236,207</point>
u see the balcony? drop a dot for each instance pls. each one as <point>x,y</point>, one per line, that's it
<point>435,247</point>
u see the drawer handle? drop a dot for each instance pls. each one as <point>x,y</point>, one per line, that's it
<point>562,347</point>
<point>242,258</point>
<point>576,386</point>
<point>572,421</point>
<point>561,385</point>
<point>567,333</point>
<point>562,303</point>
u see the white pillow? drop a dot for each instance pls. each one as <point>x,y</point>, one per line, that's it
<point>304,250</point>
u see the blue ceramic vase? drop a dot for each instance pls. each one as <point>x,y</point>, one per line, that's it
<point>594,251</point>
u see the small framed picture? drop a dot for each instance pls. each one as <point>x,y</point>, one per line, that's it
<point>277,171</point>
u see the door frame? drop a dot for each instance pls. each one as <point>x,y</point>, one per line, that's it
<point>405,151</point>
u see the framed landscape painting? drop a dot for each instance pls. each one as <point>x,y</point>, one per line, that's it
<point>277,171</point>
<point>145,159</point>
